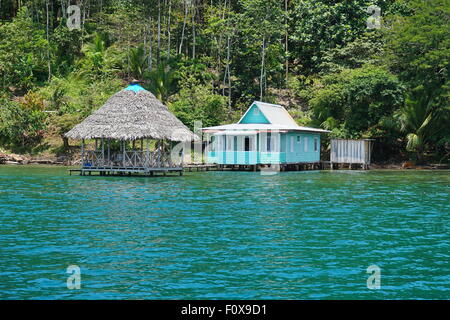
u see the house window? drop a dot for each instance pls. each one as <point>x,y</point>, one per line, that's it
<point>298,138</point>
<point>292,144</point>
<point>213,144</point>
<point>230,144</point>
<point>256,111</point>
<point>316,144</point>
<point>269,142</point>
<point>305,145</point>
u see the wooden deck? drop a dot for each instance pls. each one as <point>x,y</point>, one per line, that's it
<point>123,171</point>
<point>103,171</point>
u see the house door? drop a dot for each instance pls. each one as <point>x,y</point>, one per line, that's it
<point>247,149</point>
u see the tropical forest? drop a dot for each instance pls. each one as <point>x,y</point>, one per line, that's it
<point>360,69</point>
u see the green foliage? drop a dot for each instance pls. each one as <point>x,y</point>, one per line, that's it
<point>364,50</point>
<point>196,102</point>
<point>260,24</point>
<point>99,61</point>
<point>23,50</point>
<point>423,121</point>
<point>355,100</point>
<point>419,45</point>
<point>21,124</point>
<point>160,81</point>
<point>321,25</point>
<point>138,61</point>
<point>67,48</point>
<point>233,52</point>
<point>63,124</point>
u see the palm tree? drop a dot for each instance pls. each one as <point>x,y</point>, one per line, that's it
<point>160,81</point>
<point>421,120</point>
<point>137,61</point>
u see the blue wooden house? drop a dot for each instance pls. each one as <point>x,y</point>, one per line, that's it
<point>266,134</point>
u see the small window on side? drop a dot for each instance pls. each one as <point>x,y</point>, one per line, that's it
<point>298,138</point>
<point>316,144</point>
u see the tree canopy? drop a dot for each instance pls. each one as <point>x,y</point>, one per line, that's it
<point>208,60</point>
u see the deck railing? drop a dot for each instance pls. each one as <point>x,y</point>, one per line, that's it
<point>128,159</point>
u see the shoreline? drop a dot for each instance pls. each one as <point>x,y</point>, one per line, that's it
<point>373,167</point>
<point>70,161</point>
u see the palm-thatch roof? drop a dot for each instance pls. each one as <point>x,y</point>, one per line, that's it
<point>132,113</point>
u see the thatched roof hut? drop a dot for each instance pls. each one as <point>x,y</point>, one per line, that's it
<point>131,114</point>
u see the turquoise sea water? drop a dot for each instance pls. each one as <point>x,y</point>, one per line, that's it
<point>224,235</point>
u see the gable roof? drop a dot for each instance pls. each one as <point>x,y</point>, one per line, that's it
<point>274,113</point>
<point>261,127</point>
<point>132,113</point>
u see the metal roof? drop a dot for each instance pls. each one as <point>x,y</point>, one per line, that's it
<point>261,126</point>
<point>277,115</point>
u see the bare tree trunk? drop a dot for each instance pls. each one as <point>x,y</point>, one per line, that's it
<point>193,30</point>
<point>48,46</point>
<point>261,79</point>
<point>128,57</point>
<point>219,42</point>
<point>144,36</point>
<point>229,72</point>
<point>158,51</point>
<point>150,55</point>
<point>184,25</point>
<point>286,52</point>
<point>168,29</point>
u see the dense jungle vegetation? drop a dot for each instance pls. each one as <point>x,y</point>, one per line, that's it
<point>328,62</point>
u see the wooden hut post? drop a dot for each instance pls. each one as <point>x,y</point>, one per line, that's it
<point>109,153</point>
<point>82,152</point>
<point>148,153</point>
<point>170,154</point>
<point>158,151</point>
<point>141,154</point>
<point>103,152</point>
<point>124,153</point>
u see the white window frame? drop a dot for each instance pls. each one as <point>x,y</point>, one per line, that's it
<point>305,144</point>
<point>316,144</point>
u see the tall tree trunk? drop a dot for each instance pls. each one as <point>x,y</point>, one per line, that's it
<point>228,69</point>
<point>150,54</point>
<point>49,65</point>
<point>261,78</point>
<point>168,29</point>
<point>184,25</point>
<point>158,51</point>
<point>193,30</point>
<point>144,36</point>
<point>219,42</point>
<point>65,142</point>
<point>286,52</point>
